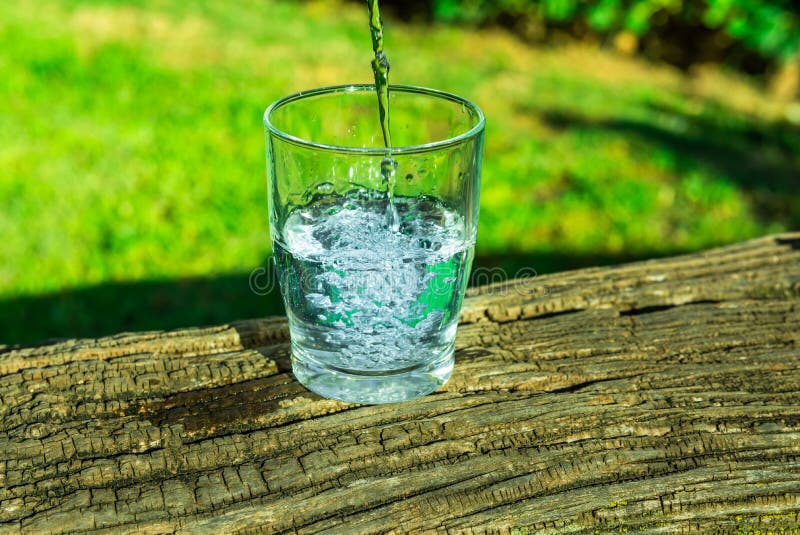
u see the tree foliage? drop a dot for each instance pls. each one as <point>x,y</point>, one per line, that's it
<point>768,27</point>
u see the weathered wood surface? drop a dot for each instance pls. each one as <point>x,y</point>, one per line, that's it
<point>661,396</point>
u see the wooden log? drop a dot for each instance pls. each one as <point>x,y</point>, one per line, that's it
<point>661,396</point>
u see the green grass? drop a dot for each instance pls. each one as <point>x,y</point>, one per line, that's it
<point>131,152</point>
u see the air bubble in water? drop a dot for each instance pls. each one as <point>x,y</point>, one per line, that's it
<point>325,188</point>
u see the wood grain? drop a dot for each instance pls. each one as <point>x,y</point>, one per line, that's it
<point>661,396</point>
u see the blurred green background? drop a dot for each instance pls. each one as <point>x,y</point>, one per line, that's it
<point>132,188</point>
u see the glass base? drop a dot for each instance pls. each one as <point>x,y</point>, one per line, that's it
<point>371,387</point>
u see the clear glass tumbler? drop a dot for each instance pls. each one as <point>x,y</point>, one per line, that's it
<point>373,246</point>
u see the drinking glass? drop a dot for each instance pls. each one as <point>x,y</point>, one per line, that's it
<point>373,245</point>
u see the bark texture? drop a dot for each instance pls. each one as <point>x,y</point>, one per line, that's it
<point>661,396</point>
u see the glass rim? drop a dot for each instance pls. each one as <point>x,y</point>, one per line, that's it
<point>381,151</point>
